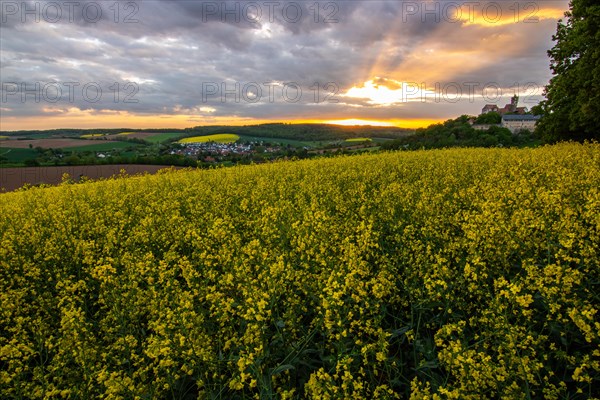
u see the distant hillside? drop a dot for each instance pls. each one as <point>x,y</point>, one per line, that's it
<point>73,131</point>
<point>305,132</point>
<point>309,132</point>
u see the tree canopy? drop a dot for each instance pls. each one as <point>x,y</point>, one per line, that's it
<point>572,105</point>
<point>489,118</point>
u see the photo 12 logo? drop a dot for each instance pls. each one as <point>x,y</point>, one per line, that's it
<point>268,11</point>
<point>254,92</point>
<point>469,11</point>
<point>71,92</point>
<point>54,12</point>
<point>454,92</point>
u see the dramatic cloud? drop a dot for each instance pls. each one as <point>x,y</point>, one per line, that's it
<point>185,63</point>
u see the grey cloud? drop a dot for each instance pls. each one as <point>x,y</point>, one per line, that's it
<point>175,47</point>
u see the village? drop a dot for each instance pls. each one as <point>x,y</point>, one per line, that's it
<point>212,149</point>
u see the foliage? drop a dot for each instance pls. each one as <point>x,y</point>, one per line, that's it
<point>572,108</point>
<point>466,274</point>
<point>489,118</point>
<point>32,163</point>
<point>538,109</point>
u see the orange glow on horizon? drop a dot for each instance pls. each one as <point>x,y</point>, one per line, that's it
<point>126,120</point>
<point>358,122</point>
<point>400,123</point>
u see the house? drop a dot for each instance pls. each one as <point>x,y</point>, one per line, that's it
<point>521,110</point>
<point>489,108</point>
<point>516,122</point>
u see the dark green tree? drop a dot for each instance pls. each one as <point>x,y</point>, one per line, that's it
<point>538,109</point>
<point>572,105</point>
<point>489,118</point>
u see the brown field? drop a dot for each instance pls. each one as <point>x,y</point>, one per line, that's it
<point>14,178</point>
<point>49,143</point>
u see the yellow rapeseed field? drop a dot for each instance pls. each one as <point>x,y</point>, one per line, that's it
<point>217,138</point>
<point>449,274</point>
<point>358,140</point>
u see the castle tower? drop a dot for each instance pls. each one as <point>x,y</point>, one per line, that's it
<point>513,103</point>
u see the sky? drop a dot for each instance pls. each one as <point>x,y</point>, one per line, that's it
<point>176,64</point>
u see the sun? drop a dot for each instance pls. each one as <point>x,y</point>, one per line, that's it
<point>386,92</point>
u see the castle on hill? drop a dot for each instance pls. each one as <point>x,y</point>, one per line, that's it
<point>514,118</point>
<point>511,108</point>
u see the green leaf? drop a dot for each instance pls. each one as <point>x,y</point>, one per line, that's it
<point>281,369</point>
